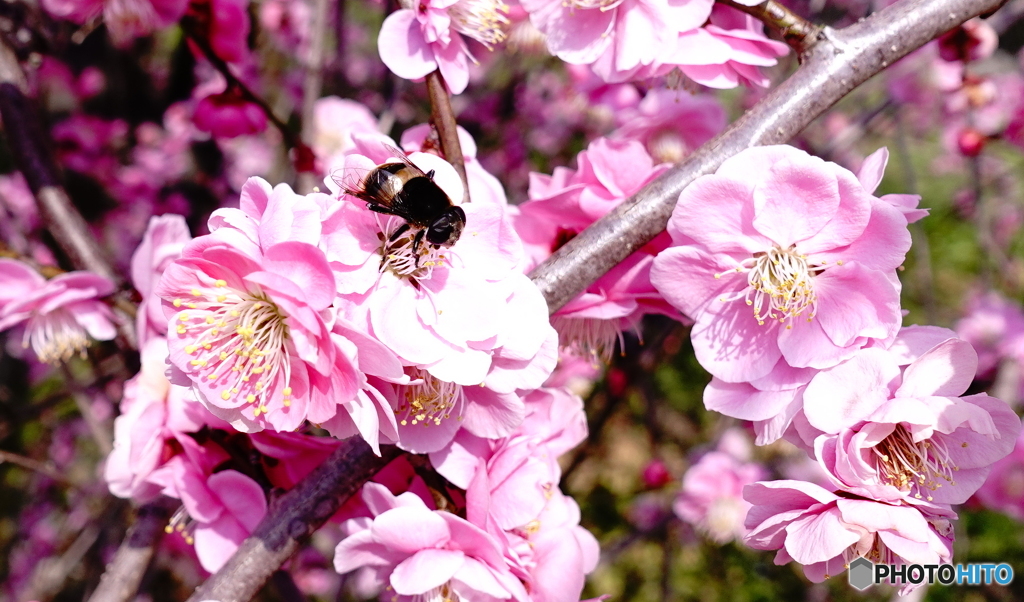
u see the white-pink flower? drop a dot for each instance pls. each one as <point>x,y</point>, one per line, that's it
<point>58,315</point>
<point>712,495</point>
<point>785,262</point>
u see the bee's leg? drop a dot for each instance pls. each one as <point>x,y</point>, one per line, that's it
<point>380,209</point>
<point>430,175</point>
<point>399,232</point>
<point>416,245</point>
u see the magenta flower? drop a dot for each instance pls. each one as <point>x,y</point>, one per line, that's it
<point>58,315</point>
<point>228,114</point>
<point>422,554</point>
<point>825,532</point>
<point>890,436</point>
<point>712,495</point>
<point>784,262</point>
<point>414,42</point>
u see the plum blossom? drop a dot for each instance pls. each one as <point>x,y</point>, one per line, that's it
<point>427,37</point>
<point>125,19</point>
<point>162,243</point>
<point>423,554</point>
<point>563,204</point>
<point>250,306</point>
<point>58,315</point>
<point>335,121</point>
<point>457,317</point>
<point>228,114</point>
<point>1003,490</point>
<point>890,436</point>
<point>672,123</point>
<point>993,325</point>
<point>712,495</point>
<point>787,265</point>
<point>825,531</point>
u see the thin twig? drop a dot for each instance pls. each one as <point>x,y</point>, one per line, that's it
<point>839,62</point>
<point>303,153</point>
<point>36,466</point>
<point>443,118</point>
<point>121,579</point>
<point>291,518</point>
<point>798,32</point>
<point>312,84</point>
<point>50,573</point>
<point>28,142</point>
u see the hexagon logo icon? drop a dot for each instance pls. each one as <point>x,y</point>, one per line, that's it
<point>861,571</point>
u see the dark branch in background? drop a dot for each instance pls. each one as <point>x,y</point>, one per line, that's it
<point>120,582</point>
<point>443,118</point>
<point>28,143</point>
<point>839,62</point>
<point>303,159</point>
<point>291,518</point>
<point>312,84</point>
<point>44,469</point>
<point>798,32</point>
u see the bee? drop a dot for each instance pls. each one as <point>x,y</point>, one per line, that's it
<point>404,190</point>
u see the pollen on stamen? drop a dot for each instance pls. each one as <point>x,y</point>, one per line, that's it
<point>427,402</point>
<point>589,337</point>
<point>779,285</point>
<point>399,258</point>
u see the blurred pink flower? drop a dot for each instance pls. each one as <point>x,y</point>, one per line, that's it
<point>125,19</point>
<point>825,532</point>
<point>335,121</point>
<point>1003,490</point>
<point>228,114</point>
<point>785,263</point>
<point>227,28</point>
<point>972,41</point>
<point>712,495</point>
<point>672,123</point>
<point>58,315</point>
<point>994,326</point>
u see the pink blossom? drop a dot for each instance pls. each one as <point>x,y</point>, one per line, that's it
<point>222,508</point>
<point>335,121</point>
<point>890,436</point>
<point>825,532</point>
<point>414,42</point>
<point>228,114</point>
<point>712,495</point>
<point>870,176</point>
<point>125,19</point>
<point>563,204</point>
<point>786,263</point>
<point>58,315</point>
<point>622,37</point>
<point>1003,490</point>
<point>162,243</point>
<point>248,304</point>
<point>992,325</point>
<point>457,317</point>
<point>153,413</point>
<point>672,123</point>
<point>228,27</point>
<point>972,41</point>
<point>419,552</point>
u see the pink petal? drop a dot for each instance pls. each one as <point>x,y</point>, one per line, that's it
<point>819,537</point>
<point>409,530</point>
<point>306,266</point>
<point>795,201</point>
<point>839,397</point>
<point>426,570</point>
<point>402,47</point>
<point>731,345</point>
<point>946,370</point>
<point>872,169</point>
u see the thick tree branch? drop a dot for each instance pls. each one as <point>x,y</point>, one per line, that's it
<point>839,62</point>
<point>292,517</point>
<point>443,118</point>
<point>121,579</point>
<point>798,32</point>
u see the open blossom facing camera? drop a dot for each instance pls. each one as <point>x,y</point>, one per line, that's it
<point>58,315</point>
<point>785,262</point>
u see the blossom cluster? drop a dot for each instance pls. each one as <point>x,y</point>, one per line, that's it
<point>787,265</point>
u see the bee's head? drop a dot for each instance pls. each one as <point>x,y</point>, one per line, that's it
<point>446,229</point>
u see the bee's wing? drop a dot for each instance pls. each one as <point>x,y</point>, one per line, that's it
<point>351,179</point>
<point>404,159</point>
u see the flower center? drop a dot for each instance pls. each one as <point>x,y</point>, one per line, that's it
<point>401,259</point>
<point>668,147</point>
<point>604,5</point>
<point>588,336</point>
<point>182,524</point>
<point>483,20</point>
<point>428,402</point>
<point>238,342</point>
<point>780,285</point>
<point>55,336</point>
<point>905,464</point>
